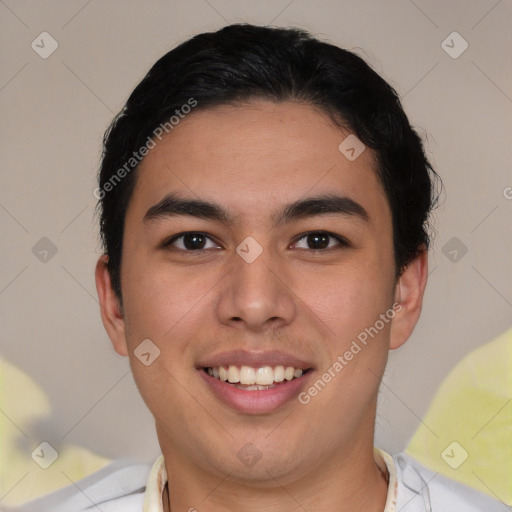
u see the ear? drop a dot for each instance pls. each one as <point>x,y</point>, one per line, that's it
<point>409,292</point>
<point>111,313</point>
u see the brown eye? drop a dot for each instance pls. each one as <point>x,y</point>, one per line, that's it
<point>319,240</point>
<point>191,241</point>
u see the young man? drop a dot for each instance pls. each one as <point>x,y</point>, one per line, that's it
<point>264,210</point>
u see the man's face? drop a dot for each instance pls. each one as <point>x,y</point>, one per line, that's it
<point>205,302</point>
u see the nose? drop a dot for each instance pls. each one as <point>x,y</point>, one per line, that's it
<point>258,295</point>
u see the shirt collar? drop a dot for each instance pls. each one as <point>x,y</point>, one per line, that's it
<point>155,486</point>
<point>158,478</point>
<point>382,457</point>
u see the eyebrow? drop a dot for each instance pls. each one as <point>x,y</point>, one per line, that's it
<point>173,205</point>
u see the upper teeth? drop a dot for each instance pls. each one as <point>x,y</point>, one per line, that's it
<point>263,376</point>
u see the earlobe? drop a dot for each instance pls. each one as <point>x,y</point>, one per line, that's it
<point>111,313</point>
<point>409,295</point>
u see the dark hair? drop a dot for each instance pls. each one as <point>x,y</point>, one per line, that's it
<point>242,62</point>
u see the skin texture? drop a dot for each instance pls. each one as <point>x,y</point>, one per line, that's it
<point>252,159</point>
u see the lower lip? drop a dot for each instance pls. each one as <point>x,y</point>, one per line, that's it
<point>259,401</point>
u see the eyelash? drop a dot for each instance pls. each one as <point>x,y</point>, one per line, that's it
<point>342,242</point>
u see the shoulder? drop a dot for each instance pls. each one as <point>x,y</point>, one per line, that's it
<point>118,487</point>
<point>420,489</point>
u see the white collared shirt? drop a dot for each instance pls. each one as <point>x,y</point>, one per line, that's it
<point>158,479</point>
<point>128,487</point>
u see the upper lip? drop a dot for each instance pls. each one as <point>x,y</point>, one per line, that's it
<point>253,359</point>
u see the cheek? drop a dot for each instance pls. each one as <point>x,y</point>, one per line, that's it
<point>161,308</point>
<point>351,296</point>
<point>157,297</point>
<point>351,301</point>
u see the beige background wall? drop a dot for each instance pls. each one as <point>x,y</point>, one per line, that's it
<point>54,112</point>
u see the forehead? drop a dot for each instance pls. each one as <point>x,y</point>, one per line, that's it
<point>254,157</point>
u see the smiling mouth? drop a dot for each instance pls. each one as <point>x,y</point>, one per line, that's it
<point>255,379</point>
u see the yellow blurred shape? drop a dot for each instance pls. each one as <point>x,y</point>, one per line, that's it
<point>472,415</point>
<point>22,404</point>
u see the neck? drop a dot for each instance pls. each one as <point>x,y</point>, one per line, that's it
<point>347,482</point>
